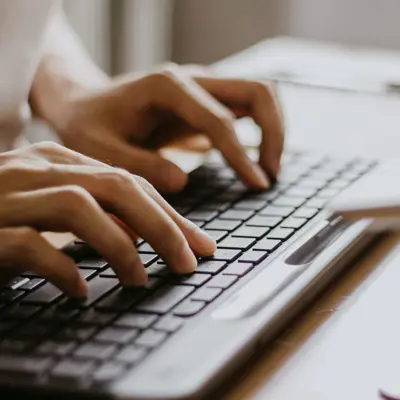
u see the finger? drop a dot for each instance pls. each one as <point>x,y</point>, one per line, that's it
<point>259,101</point>
<point>185,98</point>
<point>72,209</point>
<point>21,247</point>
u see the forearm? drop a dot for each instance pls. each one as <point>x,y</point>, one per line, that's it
<point>65,69</point>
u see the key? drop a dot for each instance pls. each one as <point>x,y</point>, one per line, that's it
<point>274,211</point>
<point>35,330</point>
<point>98,287</point>
<point>96,351</point>
<point>222,281</point>
<point>211,267</point>
<point>239,215</point>
<point>69,371</point>
<point>116,335</point>
<point>93,317</point>
<point>338,184</point>
<point>93,263</point>
<point>108,273</point>
<point>131,354</point>
<point>289,201</point>
<point>159,269</point>
<point>57,315</point>
<point>6,326</point>
<point>253,257</point>
<point>8,296</point>
<point>225,255</point>
<point>164,299</point>
<point>250,204</point>
<point>294,223</point>
<point>76,333</point>
<point>223,225</point>
<point>268,222</point>
<point>23,365</point>
<point>33,283</point>
<point>316,203</point>
<point>251,232</point>
<point>88,273</point>
<point>202,215</point>
<point>146,248</point>
<point>15,346</point>
<point>218,235</point>
<point>269,245</point>
<point>122,299</point>
<point>16,282</point>
<point>45,294</point>
<point>305,212</point>
<point>238,269</point>
<point>168,324</point>
<point>206,294</point>
<point>136,320</point>
<point>108,372</point>
<point>313,183</point>
<point>300,191</point>
<point>148,259</point>
<point>237,243</point>
<point>52,348</point>
<point>215,205</point>
<point>327,193</point>
<point>20,312</point>
<point>150,338</point>
<point>192,280</point>
<point>189,308</point>
<point>280,233</point>
<point>78,251</point>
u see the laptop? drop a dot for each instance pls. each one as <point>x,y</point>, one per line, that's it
<point>181,337</point>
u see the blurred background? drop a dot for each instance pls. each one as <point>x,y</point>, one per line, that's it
<point>126,35</point>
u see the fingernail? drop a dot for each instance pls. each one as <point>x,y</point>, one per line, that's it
<point>186,262</point>
<point>262,178</point>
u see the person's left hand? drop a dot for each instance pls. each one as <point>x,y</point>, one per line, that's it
<point>128,122</point>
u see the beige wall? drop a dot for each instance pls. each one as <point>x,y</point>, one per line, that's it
<point>206,30</point>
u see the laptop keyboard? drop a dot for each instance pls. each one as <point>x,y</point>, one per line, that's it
<point>46,338</point>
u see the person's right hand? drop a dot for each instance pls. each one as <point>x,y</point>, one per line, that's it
<point>47,187</point>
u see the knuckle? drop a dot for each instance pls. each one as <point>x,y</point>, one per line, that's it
<point>73,200</point>
<point>263,90</point>
<point>115,180</point>
<point>167,75</point>
<point>142,183</point>
<point>48,147</point>
<point>23,238</point>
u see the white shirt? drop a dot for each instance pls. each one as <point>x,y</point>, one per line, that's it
<point>23,27</point>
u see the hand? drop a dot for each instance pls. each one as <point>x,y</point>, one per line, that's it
<point>47,187</point>
<point>128,121</point>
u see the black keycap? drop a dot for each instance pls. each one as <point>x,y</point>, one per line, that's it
<point>116,335</point>
<point>189,308</point>
<point>164,299</point>
<point>206,294</point>
<point>16,346</point>
<point>253,257</point>
<point>280,233</point>
<point>88,273</point>
<point>57,314</point>
<point>168,324</point>
<point>136,320</point>
<point>289,201</point>
<point>76,333</point>
<point>223,225</point>
<point>210,267</point>
<point>79,251</point>
<point>153,283</point>
<point>131,354</point>
<point>268,245</point>
<point>225,255</point>
<point>275,211</point>
<point>305,212</point>
<point>146,248</point>
<point>121,300</point>
<point>33,284</point>
<point>35,330</point>
<point>92,263</point>
<point>215,205</point>
<point>237,243</point>
<point>95,351</point>
<point>6,326</point>
<point>16,282</point>
<point>202,215</point>
<point>19,312</point>
<point>150,338</point>
<point>236,215</point>
<point>293,222</point>
<point>58,349</point>
<point>45,294</point>
<point>222,281</point>
<point>238,269</point>
<point>70,371</point>
<point>159,269</point>
<point>7,296</point>
<point>267,222</point>
<point>250,204</point>
<point>218,235</point>
<point>23,365</point>
<point>94,317</point>
<point>251,232</point>
<point>108,372</point>
<point>108,273</point>
<point>192,280</point>
<point>148,259</point>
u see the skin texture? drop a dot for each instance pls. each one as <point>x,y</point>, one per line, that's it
<point>47,187</point>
